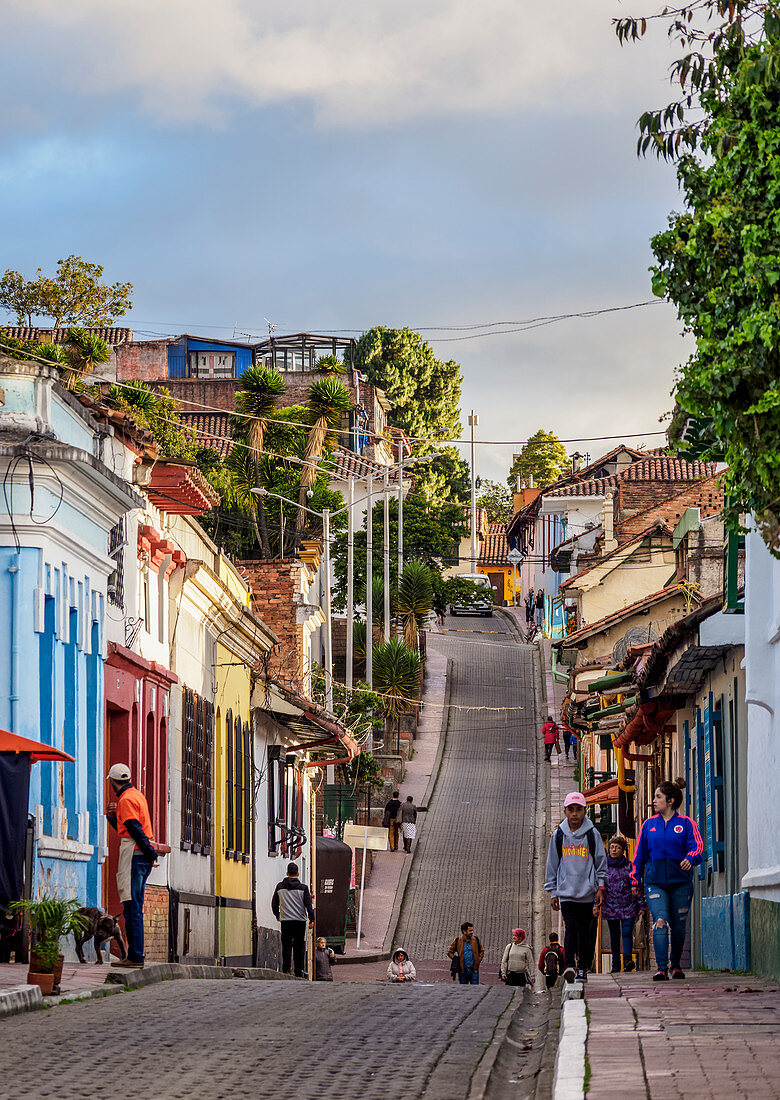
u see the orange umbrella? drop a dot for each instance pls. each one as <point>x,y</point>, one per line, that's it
<point>11,742</point>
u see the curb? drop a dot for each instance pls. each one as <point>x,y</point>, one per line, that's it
<point>484,1070</point>
<point>20,998</point>
<point>512,623</point>
<point>541,820</point>
<point>569,1078</point>
<point>395,915</point>
<point>445,719</point>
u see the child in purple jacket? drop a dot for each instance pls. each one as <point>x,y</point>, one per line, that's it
<point>620,906</point>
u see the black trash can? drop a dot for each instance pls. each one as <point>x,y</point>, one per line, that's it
<point>334,870</point>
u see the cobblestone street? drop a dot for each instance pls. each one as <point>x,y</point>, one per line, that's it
<point>356,1038</point>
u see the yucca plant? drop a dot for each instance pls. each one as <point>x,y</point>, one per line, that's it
<point>330,364</point>
<point>84,351</point>
<point>256,394</point>
<point>397,670</point>
<point>327,402</point>
<point>50,919</point>
<point>415,600</point>
<point>135,395</point>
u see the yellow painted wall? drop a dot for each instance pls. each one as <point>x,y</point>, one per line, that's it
<point>508,573</point>
<point>233,879</point>
<point>621,581</point>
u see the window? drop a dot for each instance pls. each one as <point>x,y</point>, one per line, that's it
<point>286,834</point>
<point>212,364</point>
<point>198,742</point>
<point>230,823</point>
<point>239,789</point>
<point>116,581</point>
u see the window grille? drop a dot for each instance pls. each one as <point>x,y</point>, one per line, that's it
<point>238,784</point>
<point>116,580</point>
<point>198,745</point>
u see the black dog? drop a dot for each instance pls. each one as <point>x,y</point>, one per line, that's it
<point>99,926</point>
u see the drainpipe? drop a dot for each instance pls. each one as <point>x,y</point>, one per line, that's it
<point>13,697</point>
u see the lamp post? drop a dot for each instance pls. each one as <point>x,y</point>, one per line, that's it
<point>473,423</point>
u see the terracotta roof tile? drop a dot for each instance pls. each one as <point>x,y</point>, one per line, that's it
<point>593,487</point>
<point>494,548</point>
<point>112,335</point>
<point>212,430</point>
<point>668,468</point>
<point>346,465</point>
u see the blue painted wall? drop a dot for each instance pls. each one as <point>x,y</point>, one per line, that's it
<point>177,355</point>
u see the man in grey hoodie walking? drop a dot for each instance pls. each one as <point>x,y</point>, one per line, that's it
<point>575,879</point>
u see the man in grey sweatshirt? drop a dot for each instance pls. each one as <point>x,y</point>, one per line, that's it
<point>575,879</point>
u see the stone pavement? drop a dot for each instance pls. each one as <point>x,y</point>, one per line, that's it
<point>473,858</point>
<point>716,1035</point>
<point>275,1040</point>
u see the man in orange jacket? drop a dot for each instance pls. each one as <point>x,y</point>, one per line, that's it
<point>137,855</point>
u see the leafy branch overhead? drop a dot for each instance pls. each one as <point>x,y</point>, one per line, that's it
<point>74,296</point>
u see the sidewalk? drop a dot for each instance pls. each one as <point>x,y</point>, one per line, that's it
<point>391,869</point>
<point>714,1035</point>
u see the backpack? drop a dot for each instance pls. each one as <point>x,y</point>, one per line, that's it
<point>591,835</point>
<point>551,961</point>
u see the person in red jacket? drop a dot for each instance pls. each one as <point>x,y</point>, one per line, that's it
<point>668,849</point>
<point>551,738</point>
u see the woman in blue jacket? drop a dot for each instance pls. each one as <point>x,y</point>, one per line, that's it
<point>668,849</point>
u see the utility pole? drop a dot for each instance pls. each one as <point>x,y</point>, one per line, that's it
<point>369,584</point>
<point>387,553</point>
<point>327,611</point>
<point>350,579</point>
<point>473,423</point>
<point>400,508</point>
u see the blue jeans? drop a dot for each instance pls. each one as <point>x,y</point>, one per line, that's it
<point>670,905</point>
<point>469,977</point>
<point>133,910</point>
<point>621,929</point>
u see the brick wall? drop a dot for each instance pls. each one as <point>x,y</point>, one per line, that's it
<point>274,586</point>
<point>147,360</point>
<point>643,503</point>
<point>156,919</point>
<point>193,393</point>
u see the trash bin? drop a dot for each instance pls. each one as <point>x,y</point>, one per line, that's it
<point>334,869</point>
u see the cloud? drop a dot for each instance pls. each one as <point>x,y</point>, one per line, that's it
<point>352,64</point>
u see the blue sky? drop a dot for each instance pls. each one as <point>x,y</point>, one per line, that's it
<point>336,166</point>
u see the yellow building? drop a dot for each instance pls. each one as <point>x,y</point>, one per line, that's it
<point>494,564</point>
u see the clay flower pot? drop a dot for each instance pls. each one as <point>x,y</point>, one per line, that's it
<point>45,981</point>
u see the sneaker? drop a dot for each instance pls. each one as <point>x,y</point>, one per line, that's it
<point>569,975</point>
<point>678,975</point>
<point>661,976</point>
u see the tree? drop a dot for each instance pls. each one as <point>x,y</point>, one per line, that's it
<point>327,402</point>
<point>156,411</point>
<point>255,399</point>
<point>397,670</point>
<point>496,499</point>
<point>415,600</point>
<point>542,460</point>
<point>445,480</point>
<point>425,391</point>
<point>719,260</point>
<point>74,296</point>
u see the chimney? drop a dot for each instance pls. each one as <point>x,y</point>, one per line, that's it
<point>608,522</point>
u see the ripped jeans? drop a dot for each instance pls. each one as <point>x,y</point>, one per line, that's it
<point>670,905</point>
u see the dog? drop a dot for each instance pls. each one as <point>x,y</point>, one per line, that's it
<point>100,927</point>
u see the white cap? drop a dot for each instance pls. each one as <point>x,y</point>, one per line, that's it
<point>119,772</point>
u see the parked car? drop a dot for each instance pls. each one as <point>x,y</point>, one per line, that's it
<point>478,601</point>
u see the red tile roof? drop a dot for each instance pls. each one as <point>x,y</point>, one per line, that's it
<point>668,468</point>
<point>593,487</point>
<point>347,465</point>
<point>112,335</point>
<point>494,548</point>
<point>212,430</point>
<point>180,489</point>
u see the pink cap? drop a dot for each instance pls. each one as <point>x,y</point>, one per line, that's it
<point>574,798</point>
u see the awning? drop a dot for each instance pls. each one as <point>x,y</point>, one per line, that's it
<point>602,793</point>
<point>12,742</point>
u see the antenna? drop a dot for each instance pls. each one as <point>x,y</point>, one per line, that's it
<point>271,327</point>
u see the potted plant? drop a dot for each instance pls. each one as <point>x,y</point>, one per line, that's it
<point>50,919</point>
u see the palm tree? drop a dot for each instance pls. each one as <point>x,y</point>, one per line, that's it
<point>256,394</point>
<point>327,402</point>
<point>415,600</point>
<point>397,671</point>
<point>84,351</point>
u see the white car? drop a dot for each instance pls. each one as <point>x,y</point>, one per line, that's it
<point>480,604</point>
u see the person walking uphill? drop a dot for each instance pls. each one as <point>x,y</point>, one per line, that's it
<point>620,906</point>
<point>551,741</point>
<point>137,855</point>
<point>467,949</point>
<point>407,815</point>
<point>668,849</point>
<point>390,821</point>
<point>575,879</point>
<point>291,905</point>
<point>517,962</point>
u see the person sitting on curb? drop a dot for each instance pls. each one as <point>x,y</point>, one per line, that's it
<point>575,879</point>
<point>401,968</point>
<point>517,962</point>
<point>468,951</point>
<point>552,961</point>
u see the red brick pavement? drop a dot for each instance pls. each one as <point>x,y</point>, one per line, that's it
<point>714,1035</point>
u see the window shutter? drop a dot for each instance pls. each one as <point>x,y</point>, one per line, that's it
<point>229,786</point>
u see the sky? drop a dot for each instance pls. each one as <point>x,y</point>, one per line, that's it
<point>324,166</point>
